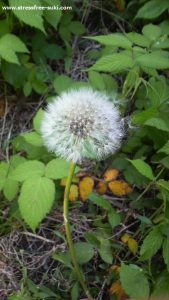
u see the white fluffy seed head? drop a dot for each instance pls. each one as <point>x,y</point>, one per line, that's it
<point>82,124</point>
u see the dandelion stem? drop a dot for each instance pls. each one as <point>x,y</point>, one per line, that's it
<point>68,232</point>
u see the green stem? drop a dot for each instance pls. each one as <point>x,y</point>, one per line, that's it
<point>68,231</point>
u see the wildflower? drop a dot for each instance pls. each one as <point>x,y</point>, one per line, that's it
<point>82,124</point>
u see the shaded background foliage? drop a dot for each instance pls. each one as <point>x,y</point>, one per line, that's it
<point>123,223</point>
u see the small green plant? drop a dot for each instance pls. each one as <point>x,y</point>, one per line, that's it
<point>27,64</point>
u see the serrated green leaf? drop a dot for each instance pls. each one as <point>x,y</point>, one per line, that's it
<point>158,91</point>
<point>134,282</point>
<point>110,83</point>
<point>9,46</point>
<point>29,17</point>
<point>96,80</point>
<point>36,199</point>
<point>115,39</point>
<point>143,168</point>
<point>158,123</point>
<point>152,32</point>
<point>143,116</point>
<point>138,39</point>
<point>37,120</point>
<point>151,244</point>
<point>27,170</point>
<point>153,60</point>
<point>57,168</point>
<point>161,43</point>
<point>114,63</point>
<point>152,9</point>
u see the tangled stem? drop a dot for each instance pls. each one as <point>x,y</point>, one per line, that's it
<point>68,232</point>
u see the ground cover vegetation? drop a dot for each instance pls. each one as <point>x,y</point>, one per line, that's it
<point>119,207</point>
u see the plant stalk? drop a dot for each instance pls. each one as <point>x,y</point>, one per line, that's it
<point>68,231</point>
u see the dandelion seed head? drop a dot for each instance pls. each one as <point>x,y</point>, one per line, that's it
<point>82,124</point>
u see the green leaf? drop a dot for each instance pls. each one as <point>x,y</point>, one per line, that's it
<point>100,201</point>
<point>164,25</point>
<point>29,17</point>
<point>153,60</point>
<point>163,184</point>
<point>161,287</point>
<point>114,219</point>
<point>161,43</point>
<point>62,83</point>
<point>92,239</point>
<point>36,199</point>
<point>152,32</point>
<point>110,83</point>
<point>115,40</point>
<point>27,88</point>
<point>75,291</point>
<point>27,170</point>
<point>152,9</point>
<point>166,252</point>
<point>165,162</point>
<point>9,45</point>
<point>96,80</point>
<point>37,120</point>
<point>4,27</point>
<point>16,160</point>
<point>105,251</point>
<point>84,252</point>
<point>52,16</point>
<point>39,86</point>
<point>158,123</point>
<point>132,80</point>
<point>115,63</point>
<point>158,91</point>
<point>165,148</point>
<point>143,168</point>
<point>138,39</point>
<point>10,189</point>
<point>143,116</point>
<point>57,169</point>
<point>14,74</point>
<point>77,28</point>
<point>4,168</point>
<point>134,282</point>
<point>53,52</point>
<point>151,244</point>
<point>64,258</point>
<point>33,138</point>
